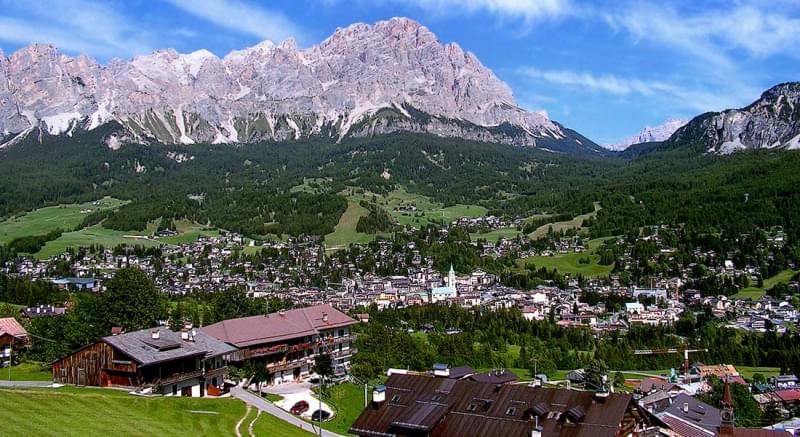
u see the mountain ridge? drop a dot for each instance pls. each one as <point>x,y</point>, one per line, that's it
<point>274,92</point>
<point>770,122</point>
<point>649,134</point>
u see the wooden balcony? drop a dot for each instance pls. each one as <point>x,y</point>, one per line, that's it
<point>287,365</point>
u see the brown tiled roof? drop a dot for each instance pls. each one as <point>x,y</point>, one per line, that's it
<point>653,383</point>
<point>248,331</point>
<point>758,432</point>
<point>445,407</point>
<point>11,326</point>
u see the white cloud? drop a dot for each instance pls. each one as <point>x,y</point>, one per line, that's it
<point>716,36</point>
<point>526,10</point>
<point>676,96</point>
<point>244,18</point>
<point>77,26</point>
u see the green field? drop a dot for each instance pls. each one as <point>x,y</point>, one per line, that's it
<point>427,210</point>
<point>748,372</point>
<point>44,220</point>
<point>755,292</point>
<point>496,234</point>
<point>95,235</point>
<point>26,371</point>
<point>189,232</point>
<point>570,262</point>
<point>345,231</point>
<point>576,222</point>
<point>91,411</point>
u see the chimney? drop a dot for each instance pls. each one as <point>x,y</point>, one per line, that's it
<point>184,334</point>
<point>685,407</point>
<point>155,335</point>
<point>192,334</point>
<point>379,395</point>
<point>325,317</point>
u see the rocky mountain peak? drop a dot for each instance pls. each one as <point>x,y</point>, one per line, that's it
<point>394,75</point>
<point>772,121</point>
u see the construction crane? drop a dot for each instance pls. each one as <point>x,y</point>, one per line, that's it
<point>684,351</point>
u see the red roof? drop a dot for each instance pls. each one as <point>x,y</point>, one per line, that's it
<point>789,395</point>
<point>11,326</point>
<point>248,331</point>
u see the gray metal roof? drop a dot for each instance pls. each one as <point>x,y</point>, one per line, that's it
<point>145,350</point>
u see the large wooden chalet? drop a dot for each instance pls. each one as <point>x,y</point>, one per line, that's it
<point>287,342</point>
<point>187,363</point>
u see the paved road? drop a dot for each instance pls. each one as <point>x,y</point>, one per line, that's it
<point>270,408</point>
<point>24,384</point>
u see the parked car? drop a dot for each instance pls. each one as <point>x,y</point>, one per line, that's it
<point>299,408</point>
<point>316,415</point>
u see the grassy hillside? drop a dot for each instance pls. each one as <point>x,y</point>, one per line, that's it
<point>95,235</point>
<point>427,210</point>
<point>570,262</point>
<point>44,220</point>
<point>756,292</point>
<point>576,222</point>
<point>345,231</point>
<point>86,411</point>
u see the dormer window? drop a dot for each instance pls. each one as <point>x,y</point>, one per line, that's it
<point>395,398</point>
<point>472,407</point>
<point>511,411</point>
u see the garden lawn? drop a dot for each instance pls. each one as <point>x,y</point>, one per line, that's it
<point>27,371</point>
<point>88,411</point>
<point>347,400</point>
<point>267,425</point>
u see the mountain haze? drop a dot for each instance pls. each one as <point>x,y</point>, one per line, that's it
<point>363,80</point>
<point>649,134</point>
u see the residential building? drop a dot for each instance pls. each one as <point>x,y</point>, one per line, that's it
<point>13,337</point>
<point>287,342</point>
<point>158,360</point>
<point>423,405</point>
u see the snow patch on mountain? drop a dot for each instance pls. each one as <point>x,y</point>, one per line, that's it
<point>662,132</point>
<point>198,97</point>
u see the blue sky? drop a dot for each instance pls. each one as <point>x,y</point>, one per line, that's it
<point>605,68</point>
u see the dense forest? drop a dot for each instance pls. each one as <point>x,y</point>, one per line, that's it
<point>253,189</point>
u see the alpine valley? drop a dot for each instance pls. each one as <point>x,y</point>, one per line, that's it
<point>273,140</point>
<point>372,236</point>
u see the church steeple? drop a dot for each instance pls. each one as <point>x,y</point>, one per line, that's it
<point>727,425</point>
<point>451,277</point>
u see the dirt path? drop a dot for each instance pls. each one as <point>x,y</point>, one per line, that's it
<point>239,423</point>
<point>253,422</point>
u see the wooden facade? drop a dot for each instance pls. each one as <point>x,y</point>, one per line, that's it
<point>97,365</point>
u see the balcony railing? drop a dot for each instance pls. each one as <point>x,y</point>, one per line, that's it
<point>344,353</point>
<point>287,365</point>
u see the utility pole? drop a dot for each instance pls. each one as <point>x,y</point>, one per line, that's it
<point>321,384</point>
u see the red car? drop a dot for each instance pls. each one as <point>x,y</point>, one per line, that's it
<point>299,408</point>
